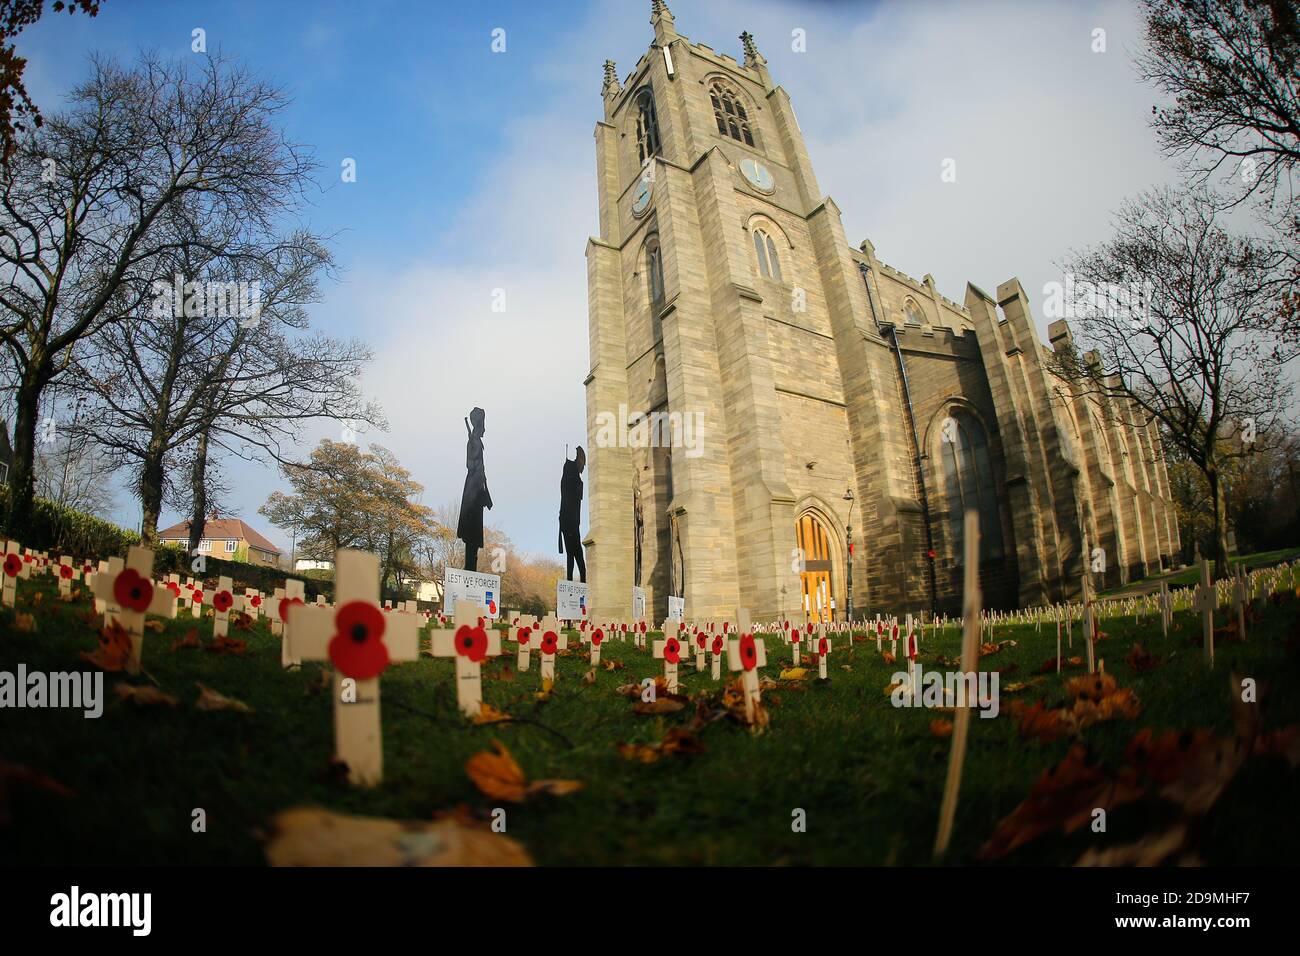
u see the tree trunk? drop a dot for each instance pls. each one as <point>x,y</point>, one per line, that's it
<point>22,474</point>
<point>1218,502</point>
<point>199,489</point>
<point>151,493</point>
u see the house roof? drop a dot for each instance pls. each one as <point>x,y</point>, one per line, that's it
<point>220,528</point>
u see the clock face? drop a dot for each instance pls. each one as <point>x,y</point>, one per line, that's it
<point>758,175</point>
<point>641,198</point>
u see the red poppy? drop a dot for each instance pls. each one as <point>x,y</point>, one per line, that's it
<point>357,649</point>
<point>285,604</point>
<point>492,607</point>
<point>87,569</point>
<point>597,636</point>
<point>702,639</point>
<point>133,591</point>
<point>197,596</point>
<point>550,642</point>
<point>255,600</point>
<point>223,600</point>
<point>821,648</point>
<point>672,651</point>
<point>65,571</point>
<point>471,642</point>
<point>523,635</point>
<point>173,587</point>
<point>748,652</point>
<point>717,644</point>
<point>13,565</point>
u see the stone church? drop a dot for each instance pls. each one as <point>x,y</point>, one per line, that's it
<point>765,399</point>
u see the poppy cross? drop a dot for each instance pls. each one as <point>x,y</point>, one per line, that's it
<point>469,642</point>
<point>129,594</point>
<point>747,653</point>
<point>361,641</point>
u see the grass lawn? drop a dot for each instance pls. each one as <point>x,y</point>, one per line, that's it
<point>1190,576</point>
<point>868,775</point>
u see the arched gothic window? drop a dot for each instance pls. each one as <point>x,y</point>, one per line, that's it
<point>654,267</point>
<point>968,479</point>
<point>729,114</point>
<point>912,313</point>
<point>769,263</point>
<point>647,127</point>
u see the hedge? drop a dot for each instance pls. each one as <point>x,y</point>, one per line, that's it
<point>59,530</point>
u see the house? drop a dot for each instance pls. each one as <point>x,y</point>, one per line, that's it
<point>227,538</point>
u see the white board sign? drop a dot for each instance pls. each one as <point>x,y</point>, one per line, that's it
<point>570,600</point>
<point>473,586</point>
<point>638,603</point>
<point>676,607</point>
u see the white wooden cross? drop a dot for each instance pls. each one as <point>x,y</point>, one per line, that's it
<point>130,594</point>
<point>252,603</point>
<point>223,599</point>
<point>746,653</point>
<point>182,596</point>
<point>1241,598</point>
<point>1166,609</point>
<point>794,636</point>
<point>972,607</point>
<point>469,642</point>
<point>550,638</point>
<point>701,637</point>
<point>912,682</point>
<point>361,641</point>
<point>67,574</point>
<point>291,595</point>
<point>1089,625</point>
<point>1206,601</point>
<point>717,647</point>
<point>595,636</point>
<point>526,635</point>
<point>107,606</point>
<point>669,650</point>
<point>13,569</point>
<point>821,651</point>
<point>196,599</point>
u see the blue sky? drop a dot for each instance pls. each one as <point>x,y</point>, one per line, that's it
<point>475,171</point>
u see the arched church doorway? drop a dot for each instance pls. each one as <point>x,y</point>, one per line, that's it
<point>815,580</point>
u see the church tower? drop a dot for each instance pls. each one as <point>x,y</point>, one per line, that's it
<point>758,386</point>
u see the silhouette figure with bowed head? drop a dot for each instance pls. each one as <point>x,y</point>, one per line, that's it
<point>475,497</point>
<point>571,515</point>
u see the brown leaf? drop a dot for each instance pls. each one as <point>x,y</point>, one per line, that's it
<point>1062,798</point>
<point>554,788</point>
<point>490,715</point>
<point>210,699</point>
<point>1141,659</point>
<point>24,622</point>
<point>188,642</point>
<point>309,836</point>
<point>941,728</point>
<point>678,740</point>
<point>665,704</point>
<point>146,696</point>
<point>223,644</point>
<point>115,649</point>
<point>497,775</point>
<point>155,625</point>
<point>590,676</point>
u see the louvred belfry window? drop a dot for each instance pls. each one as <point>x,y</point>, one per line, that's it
<point>729,113</point>
<point>647,127</point>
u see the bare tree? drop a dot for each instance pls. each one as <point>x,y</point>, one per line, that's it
<point>1230,70</point>
<point>1181,318</point>
<point>84,203</point>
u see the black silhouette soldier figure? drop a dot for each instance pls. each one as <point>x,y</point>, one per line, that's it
<point>571,515</point>
<point>475,497</point>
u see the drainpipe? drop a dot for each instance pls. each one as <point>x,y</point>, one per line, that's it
<point>911,423</point>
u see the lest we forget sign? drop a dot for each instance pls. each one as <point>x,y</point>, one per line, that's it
<point>473,586</point>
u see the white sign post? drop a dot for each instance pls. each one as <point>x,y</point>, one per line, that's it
<point>570,600</point>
